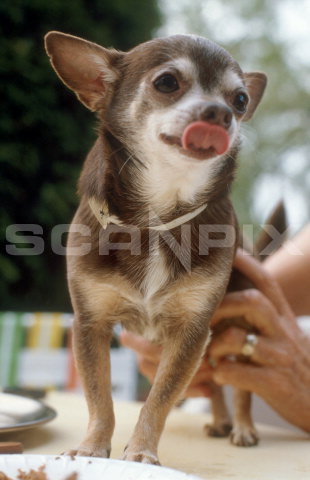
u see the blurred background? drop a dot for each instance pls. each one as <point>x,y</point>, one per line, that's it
<point>45,133</point>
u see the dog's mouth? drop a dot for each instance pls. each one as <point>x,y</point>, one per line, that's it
<point>200,140</point>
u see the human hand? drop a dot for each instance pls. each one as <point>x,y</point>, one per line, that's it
<point>148,356</point>
<point>279,370</point>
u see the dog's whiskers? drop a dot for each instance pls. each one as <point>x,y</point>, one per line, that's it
<point>125,163</point>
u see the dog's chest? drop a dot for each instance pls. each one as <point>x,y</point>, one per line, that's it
<point>149,299</point>
<point>156,275</point>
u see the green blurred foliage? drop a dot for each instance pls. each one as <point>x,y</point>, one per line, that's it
<point>45,133</point>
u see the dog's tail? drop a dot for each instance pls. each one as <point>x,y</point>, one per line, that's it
<point>273,234</point>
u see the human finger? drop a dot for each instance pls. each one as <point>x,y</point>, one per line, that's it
<point>203,374</point>
<point>256,272</point>
<point>147,367</point>
<point>231,342</point>
<point>245,376</point>
<point>251,304</point>
<point>198,390</point>
<point>140,345</point>
<point>200,384</point>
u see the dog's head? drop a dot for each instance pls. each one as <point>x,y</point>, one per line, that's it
<point>180,99</point>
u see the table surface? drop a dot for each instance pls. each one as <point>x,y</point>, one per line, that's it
<point>281,454</point>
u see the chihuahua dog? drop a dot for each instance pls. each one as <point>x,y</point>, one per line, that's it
<point>153,240</point>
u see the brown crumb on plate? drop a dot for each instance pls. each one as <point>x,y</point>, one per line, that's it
<point>35,475</point>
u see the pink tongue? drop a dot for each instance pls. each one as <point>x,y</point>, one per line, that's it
<point>203,135</point>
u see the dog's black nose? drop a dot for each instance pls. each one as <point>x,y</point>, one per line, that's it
<point>217,114</point>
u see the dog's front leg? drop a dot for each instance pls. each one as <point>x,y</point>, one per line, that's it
<point>92,354</point>
<point>180,358</point>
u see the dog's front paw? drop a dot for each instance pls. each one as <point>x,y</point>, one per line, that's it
<point>218,430</point>
<point>89,451</point>
<point>244,436</point>
<point>144,456</point>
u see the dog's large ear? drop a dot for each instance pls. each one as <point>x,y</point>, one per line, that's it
<point>255,83</point>
<point>83,66</point>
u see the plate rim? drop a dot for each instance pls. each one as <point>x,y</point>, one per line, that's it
<point>84,461</point>
<point>48,414</point>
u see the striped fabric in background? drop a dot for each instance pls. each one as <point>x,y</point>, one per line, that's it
<point>36,352</point>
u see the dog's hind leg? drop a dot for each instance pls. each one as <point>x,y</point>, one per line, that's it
<point>243,433</point>
<point>221,425</point>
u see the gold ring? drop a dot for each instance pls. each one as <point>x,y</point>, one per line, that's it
<point>249,345</point>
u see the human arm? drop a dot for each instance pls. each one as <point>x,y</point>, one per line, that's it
<point>290,266</point>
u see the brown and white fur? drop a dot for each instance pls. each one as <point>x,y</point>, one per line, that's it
<point>138,168</point>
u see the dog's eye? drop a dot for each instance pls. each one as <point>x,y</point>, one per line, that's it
<point>241,101</point>
<point>166,83</point>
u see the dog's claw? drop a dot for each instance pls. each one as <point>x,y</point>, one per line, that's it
<point>244,436</point>
<point>141,457</point>
<point>89,452</point>
<point>219,431</point>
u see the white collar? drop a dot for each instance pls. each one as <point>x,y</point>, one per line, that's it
<point>101,212</point>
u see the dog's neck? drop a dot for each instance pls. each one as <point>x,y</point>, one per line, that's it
<point>113,177</point>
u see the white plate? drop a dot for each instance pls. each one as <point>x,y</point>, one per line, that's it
<point>58,468</point>
<point>20,413</point>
